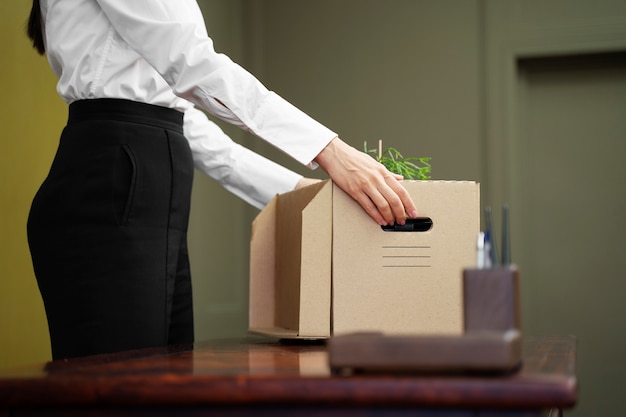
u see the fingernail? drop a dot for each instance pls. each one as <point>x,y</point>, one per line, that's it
<point>414,213</point>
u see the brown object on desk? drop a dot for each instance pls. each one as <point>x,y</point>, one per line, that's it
<point>487,352</point>
<point>264,377</point>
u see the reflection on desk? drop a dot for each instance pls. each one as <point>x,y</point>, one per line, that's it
<point>267,377</point>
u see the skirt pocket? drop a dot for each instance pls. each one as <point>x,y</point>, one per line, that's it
<point>124,183</point>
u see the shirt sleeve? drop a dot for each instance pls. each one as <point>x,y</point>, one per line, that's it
<point>244,173</point>
<point>172,38</point>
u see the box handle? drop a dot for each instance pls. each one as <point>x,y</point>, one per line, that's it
<point>421,224</point>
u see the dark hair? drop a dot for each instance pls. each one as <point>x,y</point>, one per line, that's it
<point>34,31</point>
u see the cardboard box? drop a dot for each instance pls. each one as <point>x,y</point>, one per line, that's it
<point>320,266</point>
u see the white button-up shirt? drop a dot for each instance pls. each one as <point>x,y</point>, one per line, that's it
<point>159,52</point>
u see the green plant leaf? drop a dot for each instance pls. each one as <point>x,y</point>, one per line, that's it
<point>414,168</point>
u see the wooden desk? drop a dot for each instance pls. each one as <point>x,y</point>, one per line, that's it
<point>267,378</point>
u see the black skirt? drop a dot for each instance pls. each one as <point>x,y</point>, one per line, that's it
<point>107,230</point>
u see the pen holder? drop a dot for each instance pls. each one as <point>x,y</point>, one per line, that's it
<point>491,300</point>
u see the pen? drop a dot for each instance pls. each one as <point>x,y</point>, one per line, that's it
<point>487,251</point>
<point>506,237</point>
<point>493,252</point>
<point>480,250</point>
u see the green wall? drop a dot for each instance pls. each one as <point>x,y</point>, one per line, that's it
<point>31,116</point>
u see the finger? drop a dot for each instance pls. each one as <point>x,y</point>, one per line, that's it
<point>406,201</point>
<point>371,209</point>
<point>397,199</point>
<point>383,204</point>
<point>391,205</point>
<point>391,199</point>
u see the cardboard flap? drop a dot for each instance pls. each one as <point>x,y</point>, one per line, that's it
<point>316,266</point>
<point>290,264</point>
<point>262,268</point>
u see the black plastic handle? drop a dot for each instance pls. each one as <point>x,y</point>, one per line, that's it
<point>421,224</point>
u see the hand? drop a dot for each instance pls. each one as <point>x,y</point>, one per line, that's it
<point>367,181</point>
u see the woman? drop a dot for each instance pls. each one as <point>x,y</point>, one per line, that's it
<point>107,229</point>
